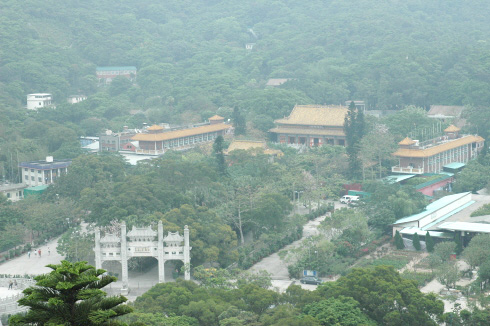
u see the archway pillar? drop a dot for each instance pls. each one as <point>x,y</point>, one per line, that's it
<point>124,259</point>
<point>160,251</point>
<point>187,255</point>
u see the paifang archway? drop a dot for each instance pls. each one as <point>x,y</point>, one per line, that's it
<point>143,242</point>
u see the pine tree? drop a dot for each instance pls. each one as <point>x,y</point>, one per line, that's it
<point>218,148</point>
<point>354,128</point>
<point>71,295</point>
<point>399,241</point>
<point>429,242</point>
<point>416,241</point>
<point>238,122</point>
<point>459,243</point>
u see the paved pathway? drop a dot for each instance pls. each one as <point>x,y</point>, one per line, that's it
<point>34,265</point>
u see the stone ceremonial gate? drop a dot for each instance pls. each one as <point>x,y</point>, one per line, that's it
<point>141,242</point>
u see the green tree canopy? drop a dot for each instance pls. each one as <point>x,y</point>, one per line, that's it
<point>71,295</point>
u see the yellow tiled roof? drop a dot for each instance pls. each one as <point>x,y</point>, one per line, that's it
<point>431,151</point>
<point>452,128</point>
<point>407,141</point>
<point>316,115</point>
<point>245,145</point>
<point>155,127</point>
<point>251,144</point>
<point>308,131</point>
<point>216,117</point>
<point>180,133</point>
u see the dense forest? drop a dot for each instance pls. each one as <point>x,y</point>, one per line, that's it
<point>191,56</point>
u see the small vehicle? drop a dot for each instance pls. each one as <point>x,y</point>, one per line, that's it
<point>310,280</point>
<point>347,199</point>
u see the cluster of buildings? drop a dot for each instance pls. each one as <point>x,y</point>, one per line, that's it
<point>36,177</point>
<point>104,75</point>
<point>158,139</point>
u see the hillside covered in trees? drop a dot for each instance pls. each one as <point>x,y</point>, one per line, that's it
<point>191,55</point>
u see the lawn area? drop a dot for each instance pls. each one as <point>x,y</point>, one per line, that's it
<point>398,259</point>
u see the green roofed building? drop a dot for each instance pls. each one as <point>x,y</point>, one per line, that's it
<point>35,191</point>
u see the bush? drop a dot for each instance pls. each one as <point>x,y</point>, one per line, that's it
<point>421,278</point>
<point>251,254</point>
<point>416,241</point>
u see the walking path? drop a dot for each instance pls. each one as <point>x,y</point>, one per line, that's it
<point>278,268</point>
<point>34,265</point>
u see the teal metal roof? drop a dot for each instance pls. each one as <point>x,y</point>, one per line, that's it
<point>457,210</point>
<point>115,68</point>
<point>466,226</point>
<point>432,207</point>
<point>391,179</point>
<point>37,188</point>
<point>411,230</point>
<point>431,182</point>
<point>454,165</point>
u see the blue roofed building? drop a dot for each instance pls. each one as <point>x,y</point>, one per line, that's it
<point>43,172</point>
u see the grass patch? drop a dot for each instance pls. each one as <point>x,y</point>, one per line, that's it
<point>282,254</point>
<point>484,210</point>
<point>397,261</point>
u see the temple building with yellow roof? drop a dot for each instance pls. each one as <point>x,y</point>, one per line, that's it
<point>312,125</point>
<point>156,140</point>
<point>433,155</point>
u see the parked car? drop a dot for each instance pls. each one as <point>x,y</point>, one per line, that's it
<point>311,280</point>
<point>347,199</point>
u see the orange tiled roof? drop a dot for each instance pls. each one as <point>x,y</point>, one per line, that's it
<point>216,117</point>
<point>431,151</point>
<point>452,128</point>
<point>180,133</point>
<point>308,131</point>
<point>407,141</point>
<point>316,115</point>
<point>155,127</point>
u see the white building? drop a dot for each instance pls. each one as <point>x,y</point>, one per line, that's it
<point>39,100</point>
<point>43,172</point>
<point>13,192</point>
<point>73,99</point>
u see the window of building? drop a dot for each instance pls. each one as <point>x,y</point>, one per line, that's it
<point>26,169</point>
<point>27,177</point>
<point>8,194</point>
<point>40,179</point>
<point>32,178</point>
<point>32,170</point>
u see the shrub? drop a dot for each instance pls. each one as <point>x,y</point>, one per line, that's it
<point>416,241</point>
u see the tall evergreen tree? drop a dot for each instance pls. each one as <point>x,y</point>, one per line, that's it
<point>239,122</point>
<point>218,153</point>
<point>429,242</point>
<point>354,128</point>
<point>459,243</point>
<point>399,241</point>
<point>416,241</point>
<point>71,295</point>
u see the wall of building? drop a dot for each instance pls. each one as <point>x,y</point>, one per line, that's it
<point>429,190</point>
